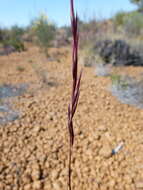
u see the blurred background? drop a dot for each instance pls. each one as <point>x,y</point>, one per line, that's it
<point>21,12</point>
<point>35,88</point>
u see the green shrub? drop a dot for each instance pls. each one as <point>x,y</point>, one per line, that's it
<point>20,68</point>
<point>115,79</point>
<point>119,18</point>
<point>16,43</point>
<point>118,80</point>
<point>87,57</point>
<point>3,34</point>
<point>16,32</point>
<point>44,32</point>
<point>12,37</point>
<point>88,32</point>
<point>133,23</point>
<point>130,22</point>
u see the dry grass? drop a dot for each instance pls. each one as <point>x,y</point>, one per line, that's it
<point>76,85</point>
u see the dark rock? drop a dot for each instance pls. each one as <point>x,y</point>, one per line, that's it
<point>7,49</point>
<point>118,52</point>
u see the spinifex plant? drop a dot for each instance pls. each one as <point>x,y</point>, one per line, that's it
<point>76,86</point>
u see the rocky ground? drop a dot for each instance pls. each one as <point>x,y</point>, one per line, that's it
<point>34,149</point>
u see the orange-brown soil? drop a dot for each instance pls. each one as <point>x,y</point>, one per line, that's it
<point>34,149</point>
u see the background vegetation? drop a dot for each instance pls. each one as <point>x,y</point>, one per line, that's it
<point>40,31</point>
<point>44,33</point>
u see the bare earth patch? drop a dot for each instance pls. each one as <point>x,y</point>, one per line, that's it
<point>34,149</point>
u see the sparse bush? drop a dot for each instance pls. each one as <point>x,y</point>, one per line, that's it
<point>1,35</point>
<point>4,34</point>
<point>44,31</point>
<point>119,18</point>
<point>93,30</point>
<point>62,37</point>
<point>88,32</point>
<point>16,43</point>
<point>87,57</point>
<point>30,61</point>
<point>115,79</point>
<point>44,77</point>
<point>67,31</point>
<point>119,81</point>
<point>20,68</point>
<point>133,24</point>
<point>16,32</point>
<point>12,39</point>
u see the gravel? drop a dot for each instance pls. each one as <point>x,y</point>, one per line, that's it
<point>34,149</point>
